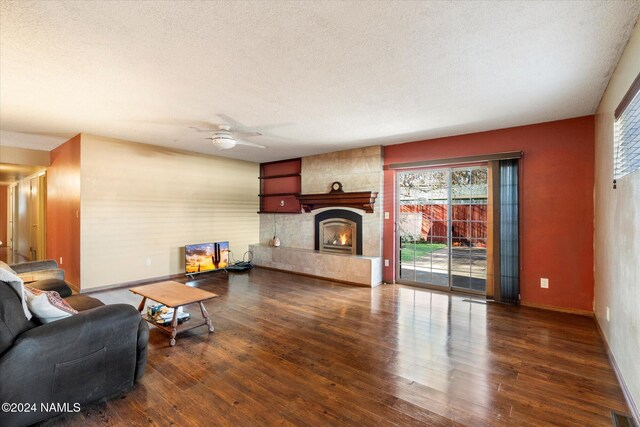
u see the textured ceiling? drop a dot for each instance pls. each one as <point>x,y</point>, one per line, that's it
<point>312,77</point>
<point>10,173</point>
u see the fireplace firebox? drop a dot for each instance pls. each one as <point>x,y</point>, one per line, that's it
<point>338,231</point>
<point>336,235</point>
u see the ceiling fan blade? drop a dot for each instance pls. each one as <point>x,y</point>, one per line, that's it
<point>197,129</point>
<point>246,134</point>
<point>230,121</point>
<point>249,144</point>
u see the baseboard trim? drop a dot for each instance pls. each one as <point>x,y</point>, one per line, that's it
<point>635,413</point>
<point>560,309</point>
<point>345,282</point>
<point>133,283</point>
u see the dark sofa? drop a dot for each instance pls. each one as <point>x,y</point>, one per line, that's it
<point>98,353</point>
<point>32,271</point>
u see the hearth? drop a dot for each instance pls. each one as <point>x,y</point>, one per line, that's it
<point>338,231</point>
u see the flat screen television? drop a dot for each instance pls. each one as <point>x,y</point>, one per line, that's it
<point>204,257</point>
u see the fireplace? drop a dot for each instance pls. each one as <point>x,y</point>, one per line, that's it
<point>337,235</point>
<point>338,231</point>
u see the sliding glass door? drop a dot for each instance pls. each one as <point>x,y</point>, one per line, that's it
<point>469,229</point>
<point>423,221</point>
<point>442,228</point>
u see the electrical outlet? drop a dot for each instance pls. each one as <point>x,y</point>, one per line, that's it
<point>544,283</point>
<point>281,203</point>
<point>148,260</point>
<point>60,261</point>
<point>386,215</point>
<point>607,314</point>
<point>386,263</point>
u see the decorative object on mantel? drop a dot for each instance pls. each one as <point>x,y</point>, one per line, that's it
<point>337,197</point>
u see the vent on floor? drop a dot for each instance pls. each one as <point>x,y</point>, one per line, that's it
<point>620,420</point>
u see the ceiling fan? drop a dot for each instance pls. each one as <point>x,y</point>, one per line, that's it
<point>224,138</point>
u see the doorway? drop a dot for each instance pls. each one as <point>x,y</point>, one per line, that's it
<point>27,218</point>
<point>36,210</point>
<point>443,228</point>
<point>12,230</point>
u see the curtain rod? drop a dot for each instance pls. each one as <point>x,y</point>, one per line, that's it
<point>457,160</point>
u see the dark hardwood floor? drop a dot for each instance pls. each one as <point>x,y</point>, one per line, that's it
<point>292,350</point>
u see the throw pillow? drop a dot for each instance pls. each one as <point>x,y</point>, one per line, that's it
<point>8,276</point>
<point>47,306</point>
<point>5,266</point>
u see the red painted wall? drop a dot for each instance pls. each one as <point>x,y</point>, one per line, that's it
<point>556,200</point>
<point>63,209</point>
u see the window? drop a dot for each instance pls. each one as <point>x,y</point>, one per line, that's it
<point>626,139</point>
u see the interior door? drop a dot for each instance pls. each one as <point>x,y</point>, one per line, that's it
<point>12,225</point>
<point>33,217</point>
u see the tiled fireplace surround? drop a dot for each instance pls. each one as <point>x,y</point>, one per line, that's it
<point>358,170</point>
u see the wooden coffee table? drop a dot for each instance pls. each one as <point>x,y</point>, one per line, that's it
<point>174,294</point>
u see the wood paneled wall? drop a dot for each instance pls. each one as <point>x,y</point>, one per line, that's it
<point>63,209</point>
<point>141,204</point>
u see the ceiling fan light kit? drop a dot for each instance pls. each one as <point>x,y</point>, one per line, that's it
<point>224,140</point>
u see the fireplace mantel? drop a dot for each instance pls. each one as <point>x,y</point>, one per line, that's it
<point>356,199</point>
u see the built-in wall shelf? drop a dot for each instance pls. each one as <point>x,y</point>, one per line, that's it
<point>356,199</point>
<point>278,194</point>
<point>280,184</point>
<point>287,175</point>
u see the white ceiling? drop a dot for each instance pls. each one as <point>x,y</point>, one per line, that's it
<point>312,77</point>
